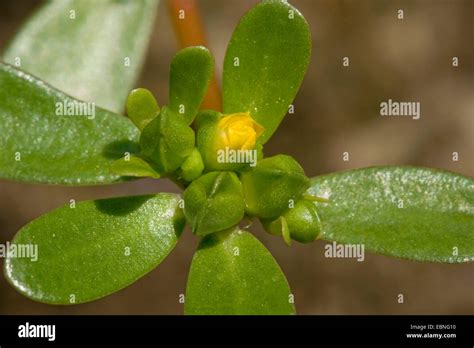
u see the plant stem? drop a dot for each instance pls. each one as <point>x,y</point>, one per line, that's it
<point>189,29</point>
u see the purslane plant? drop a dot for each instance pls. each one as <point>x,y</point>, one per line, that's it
<point>91,249</point>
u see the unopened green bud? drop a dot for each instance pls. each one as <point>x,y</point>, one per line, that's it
<point>192,166</point>
<point>273,186</point>
<point>302,223</point>
<point>214,202</point>
<point>167,140</point>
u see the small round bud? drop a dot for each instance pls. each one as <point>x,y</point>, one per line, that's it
<point>302,222</point>
<point>167,140</point>
<point>237,132</point>
<point>228,142</point>
<point>272,185</point>
<point>192,166</point>
<point>214,202</point>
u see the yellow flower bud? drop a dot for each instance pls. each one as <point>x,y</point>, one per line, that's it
<point>237,132</point>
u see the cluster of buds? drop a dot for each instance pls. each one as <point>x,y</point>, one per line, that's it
<point>218,160</point>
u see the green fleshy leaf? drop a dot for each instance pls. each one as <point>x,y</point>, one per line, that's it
<point>134,166</point>
<point>167,140</point>
<point>414,213</point>
<point>95,56</point>
<point>95,248</point>
<point>265,63</point>
<point>190,73</point>
<point>142,107</point>
<point>214,202</point>
<point>43,144</point>
<point>233,273</point>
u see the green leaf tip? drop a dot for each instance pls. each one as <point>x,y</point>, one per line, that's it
<point>134,166</point>
<point>190,74</point>
<point>141,107</point>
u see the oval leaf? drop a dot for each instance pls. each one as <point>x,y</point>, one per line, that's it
<point>94,249</point>
<point>92,50</point>
<point>190,73</point>
<point>45,140</point>
<point>265,63</point>
<point>414,213</point>
<point>233,273</point>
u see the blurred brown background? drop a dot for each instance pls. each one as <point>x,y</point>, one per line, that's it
<point>337,110</point>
